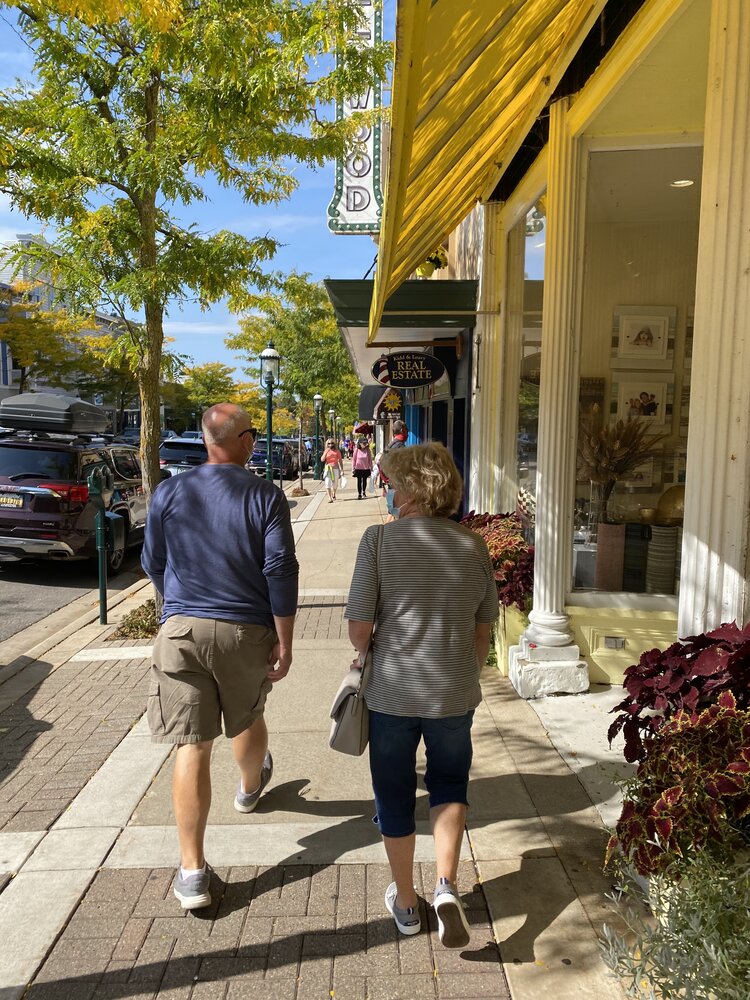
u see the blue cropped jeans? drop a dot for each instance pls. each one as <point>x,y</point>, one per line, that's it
<point>393,758</point>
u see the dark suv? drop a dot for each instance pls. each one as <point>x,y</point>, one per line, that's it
<point>179,454</point>
<point>284,462</point>
<point>45,508</point>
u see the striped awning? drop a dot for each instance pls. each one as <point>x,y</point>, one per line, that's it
<point>470,79</point>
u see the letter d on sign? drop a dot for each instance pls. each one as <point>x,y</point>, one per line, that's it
<point>357,199</point>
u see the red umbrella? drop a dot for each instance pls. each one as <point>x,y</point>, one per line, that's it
<point>363,428</point>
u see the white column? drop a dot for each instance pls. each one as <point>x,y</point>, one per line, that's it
<point>714,586</point>
<point>485,437</point>
<point>546,661</point>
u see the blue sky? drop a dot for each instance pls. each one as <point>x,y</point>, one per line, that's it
<point>299,224</point>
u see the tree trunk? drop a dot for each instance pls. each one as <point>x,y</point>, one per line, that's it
<point>148,388</point>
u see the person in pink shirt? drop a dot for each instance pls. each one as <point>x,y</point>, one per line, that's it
<point>334,468</point>
<point>362,466</point>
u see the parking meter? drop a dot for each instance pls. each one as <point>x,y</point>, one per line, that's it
<point>99,480</point>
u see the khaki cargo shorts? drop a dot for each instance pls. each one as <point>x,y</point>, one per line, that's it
<point>203,670</point>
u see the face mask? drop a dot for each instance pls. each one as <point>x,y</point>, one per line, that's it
<point>397,512</point>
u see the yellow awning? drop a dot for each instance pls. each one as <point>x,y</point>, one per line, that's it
<point>470,79</point>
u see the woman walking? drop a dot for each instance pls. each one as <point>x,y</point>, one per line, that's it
<point>428,593</point>
<point>362,466</point>
<point>334,468</point>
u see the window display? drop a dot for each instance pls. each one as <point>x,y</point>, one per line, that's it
<point>636,345</point>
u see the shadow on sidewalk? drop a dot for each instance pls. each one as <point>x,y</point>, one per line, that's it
<point>281,959</point>
<point>19,730</point>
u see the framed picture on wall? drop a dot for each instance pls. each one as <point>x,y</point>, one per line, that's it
<point>642,477</point>
<point>637,394</point>
<point>643,337</point>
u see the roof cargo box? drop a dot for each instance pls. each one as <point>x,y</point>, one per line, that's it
<point>43,411</point>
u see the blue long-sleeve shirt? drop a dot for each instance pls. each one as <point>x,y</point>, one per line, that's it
<point>219,544</point>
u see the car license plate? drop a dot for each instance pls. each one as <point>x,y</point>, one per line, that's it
<point>10,500</point>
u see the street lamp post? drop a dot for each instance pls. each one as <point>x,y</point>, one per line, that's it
<point>269,369</point>
<point>332,423</point>
<point>318,404</point>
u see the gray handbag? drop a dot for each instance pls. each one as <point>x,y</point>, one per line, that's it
<point>350,725</point>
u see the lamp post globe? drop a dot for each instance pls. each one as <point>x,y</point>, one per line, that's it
<point>270,361</point>
<point>318,407</point>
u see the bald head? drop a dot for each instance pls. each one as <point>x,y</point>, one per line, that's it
<point>223,422</point>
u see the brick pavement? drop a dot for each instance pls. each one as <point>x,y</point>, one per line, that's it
<point>54,738</point>
<point>290,933</point>
<point>321,617</point>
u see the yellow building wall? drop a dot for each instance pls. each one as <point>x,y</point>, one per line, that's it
<point>641,630</point>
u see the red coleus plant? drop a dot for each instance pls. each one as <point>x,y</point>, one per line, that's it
<point>512,557</point>
<point>692,789</point>
<point>690,675</point>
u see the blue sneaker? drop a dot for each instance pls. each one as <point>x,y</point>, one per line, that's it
<point>407,920</point>
<point>245,802</point>
<point>192,891</point>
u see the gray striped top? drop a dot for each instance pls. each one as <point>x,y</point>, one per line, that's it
<point>436,584</point>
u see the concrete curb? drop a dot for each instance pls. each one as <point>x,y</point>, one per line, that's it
<point>42,647</point>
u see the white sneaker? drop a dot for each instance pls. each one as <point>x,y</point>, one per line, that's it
<point>407,920</point>
<point>453,927</point>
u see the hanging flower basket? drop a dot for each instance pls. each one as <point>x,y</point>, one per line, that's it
<point>437,259</point>
<point>425,270</point>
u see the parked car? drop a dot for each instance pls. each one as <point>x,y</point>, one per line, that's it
<point>192,435</point>
<point>178,454</point>
<point>46,511</point>
<point>284,461</point>
<point>301,455</point>
<point>53,444</point>
<point>132,435</point>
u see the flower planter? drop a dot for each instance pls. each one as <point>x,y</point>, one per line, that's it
<point>425,270</point>
<point>510,627</point>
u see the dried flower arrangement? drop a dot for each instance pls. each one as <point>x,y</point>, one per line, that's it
<point>608,453</point>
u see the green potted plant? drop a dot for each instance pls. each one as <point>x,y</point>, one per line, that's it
<point>691,790</point>
<point>437,259</point>
<point>607,454</point>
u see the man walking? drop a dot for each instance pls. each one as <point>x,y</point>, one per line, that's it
<point>400,434</point>
<point>219,548</point>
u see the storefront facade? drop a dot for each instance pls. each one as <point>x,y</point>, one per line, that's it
<point>640,161</point>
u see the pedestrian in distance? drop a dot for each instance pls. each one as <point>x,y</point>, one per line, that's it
<point>427,594</point>
<point>333,468</point>
<point>219,548</point>
<point>400,434</point>
<point>362,466</point>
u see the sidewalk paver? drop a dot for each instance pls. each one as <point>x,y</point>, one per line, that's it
<point>298,885</point>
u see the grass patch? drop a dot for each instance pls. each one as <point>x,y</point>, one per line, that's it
<point>139,624</point>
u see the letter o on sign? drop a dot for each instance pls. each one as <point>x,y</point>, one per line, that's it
<point>359,165</point>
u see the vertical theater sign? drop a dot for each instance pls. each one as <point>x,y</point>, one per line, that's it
<point>357,203</point>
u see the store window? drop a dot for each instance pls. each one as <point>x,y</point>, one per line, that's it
<point>641,240</point>
<point>529,322</point>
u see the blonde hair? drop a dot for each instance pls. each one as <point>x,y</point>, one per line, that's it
<point>427,474</point>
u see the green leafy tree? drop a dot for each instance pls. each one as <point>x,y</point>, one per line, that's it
<point>130,110</point>
<point>209,384</point>
<point>301,323</point>
<point>42,342</point>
